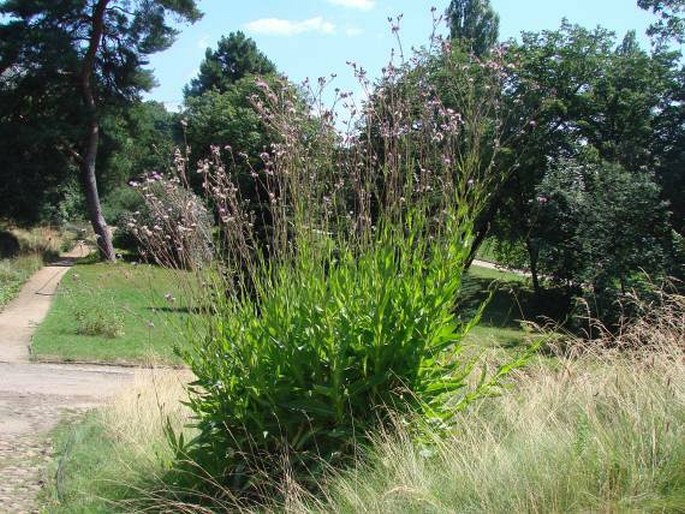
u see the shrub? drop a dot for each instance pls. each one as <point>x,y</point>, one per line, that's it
<point>98,320</point>
<point>118,208</point>
<point>94,313</point>
<point>71,206</point>
<point>599,227</point>
<point>174,228</point>
<point>349,310</point>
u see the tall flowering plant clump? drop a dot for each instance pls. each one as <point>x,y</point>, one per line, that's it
<point>347,309</point>
<point>174,229</point>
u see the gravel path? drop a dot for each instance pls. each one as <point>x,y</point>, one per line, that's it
<point>35,397</point>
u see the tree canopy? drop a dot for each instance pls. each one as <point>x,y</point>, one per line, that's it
<point>671,22</point>
<point>474,23</point>
<point>236,57</point>
<point>69,61</point>
<point>606,132</point>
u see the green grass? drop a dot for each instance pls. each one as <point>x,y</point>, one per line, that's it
<point>501,324</point>
<point>130,299</point>
<point>87,443</point>
<point>114,313</point>
<point>113,454</point>
<point>13,274</point>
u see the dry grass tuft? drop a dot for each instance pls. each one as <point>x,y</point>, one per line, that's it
<point>600,430</point>
<point>138,416</point>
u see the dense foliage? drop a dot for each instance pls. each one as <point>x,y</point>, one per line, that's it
<point>235,58</point>
<point>592,100</point>
<point>64,63</point>
<point>602,233</point>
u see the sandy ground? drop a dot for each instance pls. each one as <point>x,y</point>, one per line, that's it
<point>35,397</point>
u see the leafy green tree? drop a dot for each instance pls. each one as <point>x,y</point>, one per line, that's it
<point>220,108</point>
<point>671,22</point>
<point>548,72</point>
<point>92,54</point>
<point>668,144</point>
<point>32,164</point>
<point>236,57</point>
<point>598,229</point>
<point>473,23</point>
<point>226,119</point>
<point>669,141</point>
<point>222,119</point>
<point>626,103</point>
<point>137,139</point>
<point>584,94</point>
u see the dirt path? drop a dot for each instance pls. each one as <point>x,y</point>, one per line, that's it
<point>35,397</point>
<point>492,265</point>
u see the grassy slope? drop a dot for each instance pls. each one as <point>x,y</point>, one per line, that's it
<point>501,323</point>
<point>13,274</point>
<point>132,297</point>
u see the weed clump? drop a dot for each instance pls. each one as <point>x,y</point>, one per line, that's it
<point>98,320</point>
<point>173,227</point>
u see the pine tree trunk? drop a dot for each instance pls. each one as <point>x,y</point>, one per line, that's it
<point>90,188</point>
<point>92,138</point>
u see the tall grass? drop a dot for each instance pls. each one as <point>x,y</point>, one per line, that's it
<point>600,433</point>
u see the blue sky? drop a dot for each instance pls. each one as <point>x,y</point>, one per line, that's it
<point>313,38</point>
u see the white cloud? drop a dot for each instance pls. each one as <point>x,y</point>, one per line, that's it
<point>281,27</point>
<point>363,5</point>
<point>353,31</point>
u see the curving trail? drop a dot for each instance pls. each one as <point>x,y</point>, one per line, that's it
<point>35,397</point>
